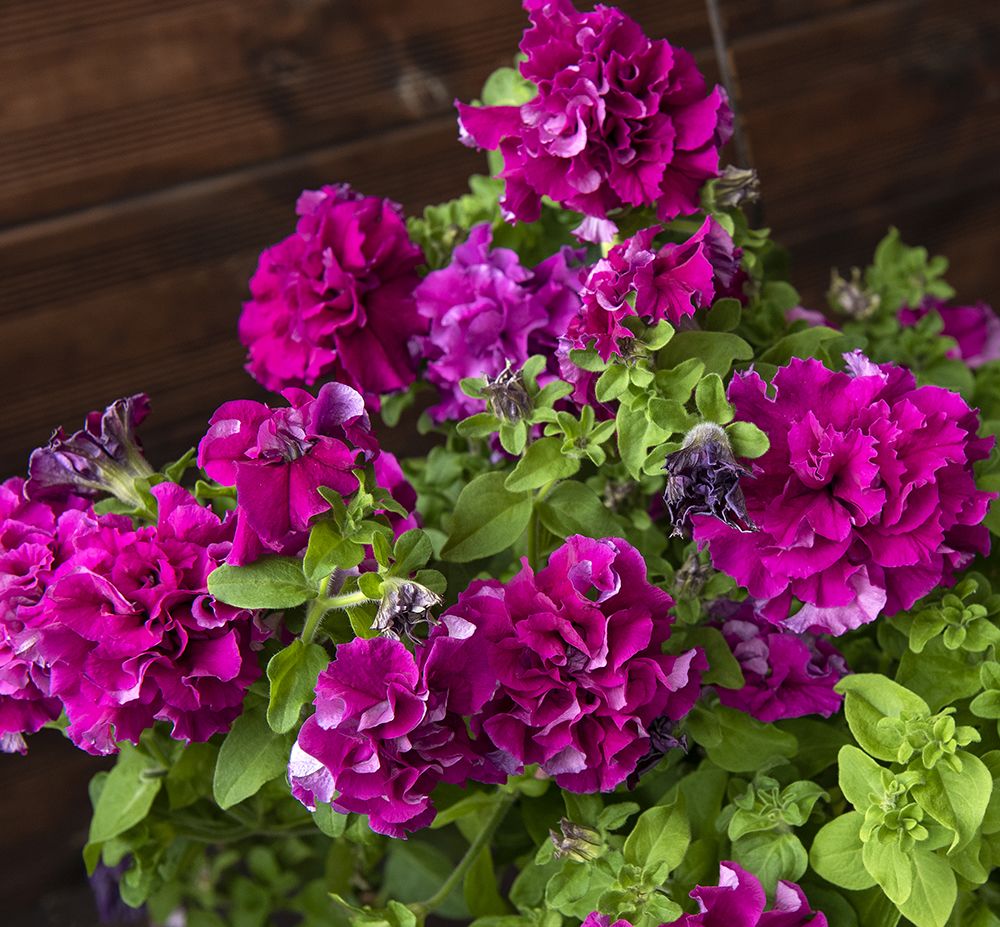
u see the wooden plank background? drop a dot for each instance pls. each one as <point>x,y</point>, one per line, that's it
<point>149,149</point>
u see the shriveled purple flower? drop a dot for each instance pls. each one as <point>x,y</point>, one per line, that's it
<point>739,901</point>
<point>130,633</point>
<point>278,459</point>
<point>105,456</point>
<point>865,501</point>
<point>736,186</point>
<point>787,674</point>
<point>335,299</point>
<point>405,606</point>
<point>30,550</point>
<point>380,741</point>
<point>975,328</point>
<point>618,120</point>
<point>703,478</point>
<point>663,737</point>
<point>667,283</point>
<point>488,313</point>
<point>572,663</point>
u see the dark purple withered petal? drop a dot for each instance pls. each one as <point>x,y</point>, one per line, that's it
<point>703,478</point>
<point>111,909</point>
<point>99,458</point>
<point>662,738</point>
<point>404,607</point>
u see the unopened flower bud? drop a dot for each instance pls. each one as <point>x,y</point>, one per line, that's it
<point>576,841</point>
<point>736,186</point>
<point>507,398</point>
<point>103,457</point>
<point>851,297</point>
<point>703,478</point>
<point>404,607</point>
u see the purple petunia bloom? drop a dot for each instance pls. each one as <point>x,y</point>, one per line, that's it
<point>29,553</point>
<point>669,283</point>
<point>738,901</point>
<point>102,457</point>
<point>572,663</point>
<point>381,740</point>
<point>866,500</point>
<point>279,458</point>
<point>976,328</point>
<point>486,310</point>
<point>335,299</point>
<point>618,120</point>
<point>130,633</point>
<point>787,674</point>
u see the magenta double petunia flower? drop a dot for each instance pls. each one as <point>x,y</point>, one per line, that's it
<point>130,634</point>
<point>666,283</point>
<point>335,299</point>
<point>486,310</point>
<point>381,739</point>
<point>787,674</point>
<point>30,551</point>
<point>975,328</point>
<point>738,901</point>
<point>278,459</point>
<point>618,120</point>
<point>566,665</point>
<point>866,500</point>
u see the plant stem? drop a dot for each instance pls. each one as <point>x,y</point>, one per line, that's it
<point>481,841</point>
<point>319,607</point>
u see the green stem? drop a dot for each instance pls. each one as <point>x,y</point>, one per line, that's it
<point>481,841</point>
<point>321,606</point>
<point>534,526</point>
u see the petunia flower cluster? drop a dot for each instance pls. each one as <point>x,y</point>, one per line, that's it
<point>486,311</point>
<point>334,300</point>
<point>786,674</point>
<point>669,283</point>
<point>29,552</point>
<point>738,901</point>
<point>866,500</point>
<point>128,632</point>
<point>618,120</point>
<point>563,669</point>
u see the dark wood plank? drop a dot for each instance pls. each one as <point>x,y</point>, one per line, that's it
<point>117,97</point>
<point>866,106</point>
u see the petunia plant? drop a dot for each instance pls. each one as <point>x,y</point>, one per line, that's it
<point>674,606</point>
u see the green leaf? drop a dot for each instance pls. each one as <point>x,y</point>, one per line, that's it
<point>292,673</point>
<point>934,891</point>
<point>414,871</point>
<point>710,398</point>
<point>716,350</point>
<point>670,415</point>
<point>747,440</point>
<point>836,853</point>
<point>251,755</point>
<point>633,443</point>
<point>659,839</point>
<point>806,343</point>
<point>574,508</point>
<point>868,698</point>
<point>513,437</point>
<point>480,888</point>
<point>126,797</point>
<point>890,867</point>
<point>723,668</point>
<point>859,776</point>
<point>190,778</point>
<point>678,382</point>
<point>488,518</point>
<point>412,551</point>
<point>724,315</point>
<point>506,87</point>
<point>542,463</point>
<point>737,742</point>
<point>771,856</point>
<point>478,803</point>
<point>612,383</point>
<point>478,426</point>
<point>330,822</point>
<point>271,582</point>
<point>957,799</point>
